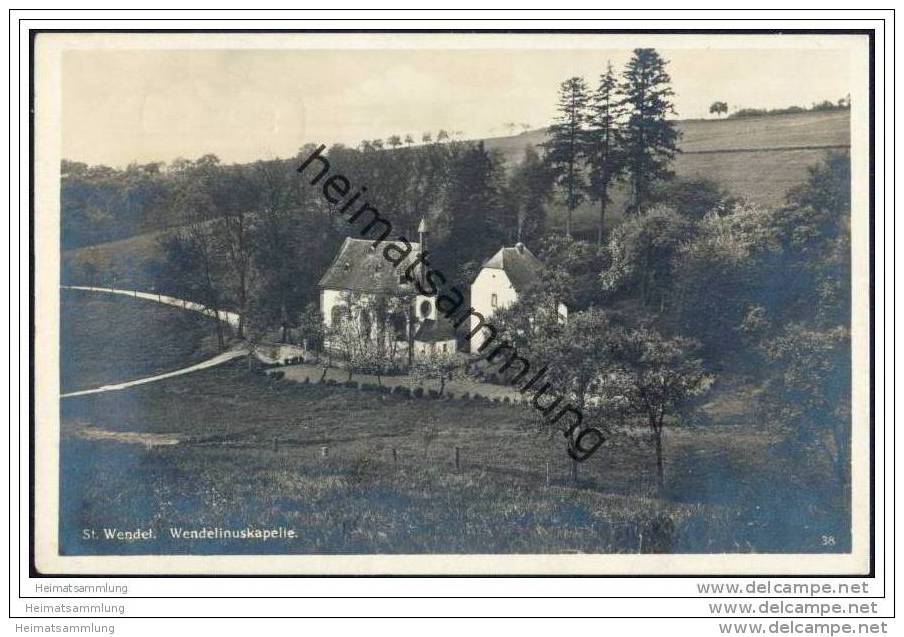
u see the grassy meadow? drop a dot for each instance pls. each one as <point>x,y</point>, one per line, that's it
<point>106,338</point>
<point>358,471</point>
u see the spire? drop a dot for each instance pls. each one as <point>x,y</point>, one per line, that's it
<point>422,234</point>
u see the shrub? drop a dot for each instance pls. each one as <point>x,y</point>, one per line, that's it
<point>417,392</point>
<point>433,394</point>
<point>277,375</point>
<point>506,400</point>
<point>465,396</point>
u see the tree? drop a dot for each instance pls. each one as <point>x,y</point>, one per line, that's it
<point>194,268</point>
<point>651,376</point>
<point>530,187</point>
<point>437,365</point>
<point>719,108</point>
<point>605,155</point>
<point>475,213</point>
<point>310,324</point>
<point>571,272</point>
<point>275,245</point>
<point>693,197</point>
<point>567,143</point>
<point>814,389</point>
<point>643,251</point>
<point>650,139</point>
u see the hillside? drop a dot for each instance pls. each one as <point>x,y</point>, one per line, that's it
<point>756,158</point>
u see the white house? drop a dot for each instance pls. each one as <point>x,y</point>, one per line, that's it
<point>501,279</point>
<point>384,298</point>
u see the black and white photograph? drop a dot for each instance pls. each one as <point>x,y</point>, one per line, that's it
<point>453,303</point>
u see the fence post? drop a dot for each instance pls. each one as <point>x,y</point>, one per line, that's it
<point>457,459</point>
<point>547,473</point>
<point>275,443</point>
<point>574,471</point>
<point>395,456</point>
<point>324,451</point>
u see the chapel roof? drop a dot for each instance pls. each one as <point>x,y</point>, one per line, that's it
<point>362,267</point>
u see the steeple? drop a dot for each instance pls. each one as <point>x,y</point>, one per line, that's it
<point>422,233</point>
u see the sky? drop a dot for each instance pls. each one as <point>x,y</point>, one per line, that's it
<point>123,106</point>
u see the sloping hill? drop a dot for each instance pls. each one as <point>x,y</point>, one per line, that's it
<point>757,158</point>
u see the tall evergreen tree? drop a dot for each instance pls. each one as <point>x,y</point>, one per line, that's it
<point>650,139</point>
<point>475,212</point>
<point>566,145</point>
<point>530,187</point>
<point>605,155</point>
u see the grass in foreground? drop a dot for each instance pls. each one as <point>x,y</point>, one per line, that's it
<point>106,338</point>
<point>252,454</point>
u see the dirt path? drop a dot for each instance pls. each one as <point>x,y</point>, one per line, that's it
<point>229,317</point>
<point>219,359</point>
<point>82,430</point>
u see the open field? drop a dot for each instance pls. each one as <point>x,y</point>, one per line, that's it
<point>106,339</point>
<point>712,135</point>
<point>755,158</point>
<point>229,447</point>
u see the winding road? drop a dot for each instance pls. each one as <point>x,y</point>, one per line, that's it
<point>229,317</point>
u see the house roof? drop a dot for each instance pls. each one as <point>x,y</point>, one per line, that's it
<point>519,263</point>
<point>362,267</point>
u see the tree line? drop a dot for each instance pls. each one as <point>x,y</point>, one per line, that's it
<point>619,131</point>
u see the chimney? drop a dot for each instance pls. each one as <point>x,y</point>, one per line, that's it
<point>519,247</point>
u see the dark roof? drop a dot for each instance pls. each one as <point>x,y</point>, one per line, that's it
<point>362,267</point>
<point>431,331</point>
<point>519,263</point>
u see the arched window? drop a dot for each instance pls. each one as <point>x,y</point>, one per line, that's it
<point>426,309</point>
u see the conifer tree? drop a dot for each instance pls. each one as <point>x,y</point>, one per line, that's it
<point>567,143</point>
<point>605,156</point>
<point>650,139</point>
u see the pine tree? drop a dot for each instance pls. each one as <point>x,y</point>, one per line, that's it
<point>567,141</point>
<point>650,139</point>
<point>530,187</point>
<point>475,212</point>
<point>605,155</point>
